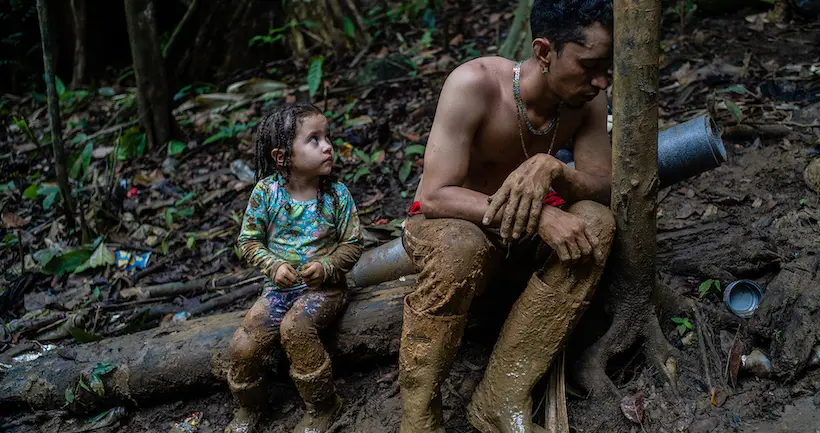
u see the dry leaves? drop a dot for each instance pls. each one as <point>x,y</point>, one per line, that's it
<point>13,221</point>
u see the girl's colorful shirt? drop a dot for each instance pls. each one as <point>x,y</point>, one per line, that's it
<point>278,229</point>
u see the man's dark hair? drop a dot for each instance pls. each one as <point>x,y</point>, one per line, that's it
<point>563,21</point>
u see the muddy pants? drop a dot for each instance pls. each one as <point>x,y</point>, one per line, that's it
<point>296,316</point>
<point>457,258</point>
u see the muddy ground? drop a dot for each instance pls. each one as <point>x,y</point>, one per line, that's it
<point>747,219</point>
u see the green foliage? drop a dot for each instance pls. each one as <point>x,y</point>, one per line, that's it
<point>21,123</point>
<point>79,162</point>
<point>707,285</point>
<point>734,109</point>
<point>229,131</point>
<point>197,88</point>
<point>173,214</point>
<point>277,34</point>
<point>49,192</point>
<point>683,325</point>
<point>314,77</point>
<point>175,147</point>
<point>132,144</point>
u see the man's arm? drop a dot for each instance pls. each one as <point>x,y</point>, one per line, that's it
<point>591,179</point>
<point>460,110</point>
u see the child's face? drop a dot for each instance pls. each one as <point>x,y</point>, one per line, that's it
<point>312,152</point>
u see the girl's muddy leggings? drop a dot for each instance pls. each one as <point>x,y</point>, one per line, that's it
<point>296,316</point>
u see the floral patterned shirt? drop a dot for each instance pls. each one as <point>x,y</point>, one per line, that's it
<point>278,229</point>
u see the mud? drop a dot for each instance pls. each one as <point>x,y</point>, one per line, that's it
<point>535,331</point>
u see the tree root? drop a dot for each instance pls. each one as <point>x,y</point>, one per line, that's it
<point>630,324</point>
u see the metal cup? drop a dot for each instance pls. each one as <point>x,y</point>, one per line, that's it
<point>743,297</point>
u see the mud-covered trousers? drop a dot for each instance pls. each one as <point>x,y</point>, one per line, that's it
<point>457,259</point>
<point>296,316</point>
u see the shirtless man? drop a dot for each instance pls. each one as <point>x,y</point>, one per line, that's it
<point>488,167</point>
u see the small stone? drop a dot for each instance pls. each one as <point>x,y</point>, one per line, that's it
<point>811,175</point>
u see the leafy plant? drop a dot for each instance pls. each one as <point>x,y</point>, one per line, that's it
<point>172,214</point>
<point>314,77</point>
<point>22,124</point>
<point>79,161</point>
<point>278,33</point>
<point>131,145</point>
<point>229,131</point>
<point>683,325</point>
<point>175,147</point>
<point>50,192</point>
<point>707,285</point>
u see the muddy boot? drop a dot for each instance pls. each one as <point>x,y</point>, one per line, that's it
<point>428,345</point>
<point>322,405</point>
<point>250,397</point>
<point>533,334</point>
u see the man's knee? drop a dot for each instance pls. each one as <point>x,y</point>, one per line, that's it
<point>598,218</point>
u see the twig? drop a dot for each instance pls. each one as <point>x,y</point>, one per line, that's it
<point>702,346</point>
<point>113,306</point>
<point>115,128</point>
<point>225,300</point>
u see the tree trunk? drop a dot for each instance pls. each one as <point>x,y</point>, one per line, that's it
<point>79,15</point>
<point>153,99</point>
<point>634,197</point>
<point>54,114</point>
<point>183,359</point>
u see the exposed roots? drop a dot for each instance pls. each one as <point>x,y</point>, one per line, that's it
<point>631,324</point>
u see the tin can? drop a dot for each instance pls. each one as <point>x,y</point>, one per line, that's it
<point>742,297</point>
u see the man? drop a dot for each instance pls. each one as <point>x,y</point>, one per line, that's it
<point>487,171</point>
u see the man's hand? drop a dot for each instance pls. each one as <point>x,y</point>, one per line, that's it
<point>313,274</point>
<point>285,276</point>
<point>522,194</point>
<point>569,236</point>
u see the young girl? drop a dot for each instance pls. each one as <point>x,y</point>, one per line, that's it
<point>301,230</point>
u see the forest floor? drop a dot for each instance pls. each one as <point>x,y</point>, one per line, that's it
<point>749,218</point>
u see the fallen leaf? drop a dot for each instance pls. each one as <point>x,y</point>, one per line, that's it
<point>13,221</point>
<point>735,358</point>
<point>412,137</point>
<point>719,396</point>
<point>373,199</point>
<point>632,407</point>
<point>457,40</point>
<point>102,152</point>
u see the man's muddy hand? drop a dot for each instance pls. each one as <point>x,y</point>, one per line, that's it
<point>313,274</point>
<point>569,236</point>
<point>522,194</point>
<point>286,276</point>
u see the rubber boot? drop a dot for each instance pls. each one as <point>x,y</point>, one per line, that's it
<point>535,331</point>
<point>322,405</point>
<point>250,397</point>
<point>428,345</point>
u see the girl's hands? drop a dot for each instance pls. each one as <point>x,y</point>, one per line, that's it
<point>313,274</point>
<point>285,276</point>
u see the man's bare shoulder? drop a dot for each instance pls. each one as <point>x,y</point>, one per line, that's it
<point>478,77</point>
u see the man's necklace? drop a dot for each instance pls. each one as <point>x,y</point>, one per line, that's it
<point>522,113</point>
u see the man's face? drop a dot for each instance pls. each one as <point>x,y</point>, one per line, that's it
<point>582,70</point>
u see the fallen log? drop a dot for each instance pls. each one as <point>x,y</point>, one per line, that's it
<point>192,356</point>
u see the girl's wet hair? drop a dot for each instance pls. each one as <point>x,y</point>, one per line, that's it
<point>277,131</point>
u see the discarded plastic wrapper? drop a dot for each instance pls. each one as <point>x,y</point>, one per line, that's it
<point>128,261</point>
<point>189,425</point>
<point>31,356</point>
<point>181,316</point>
